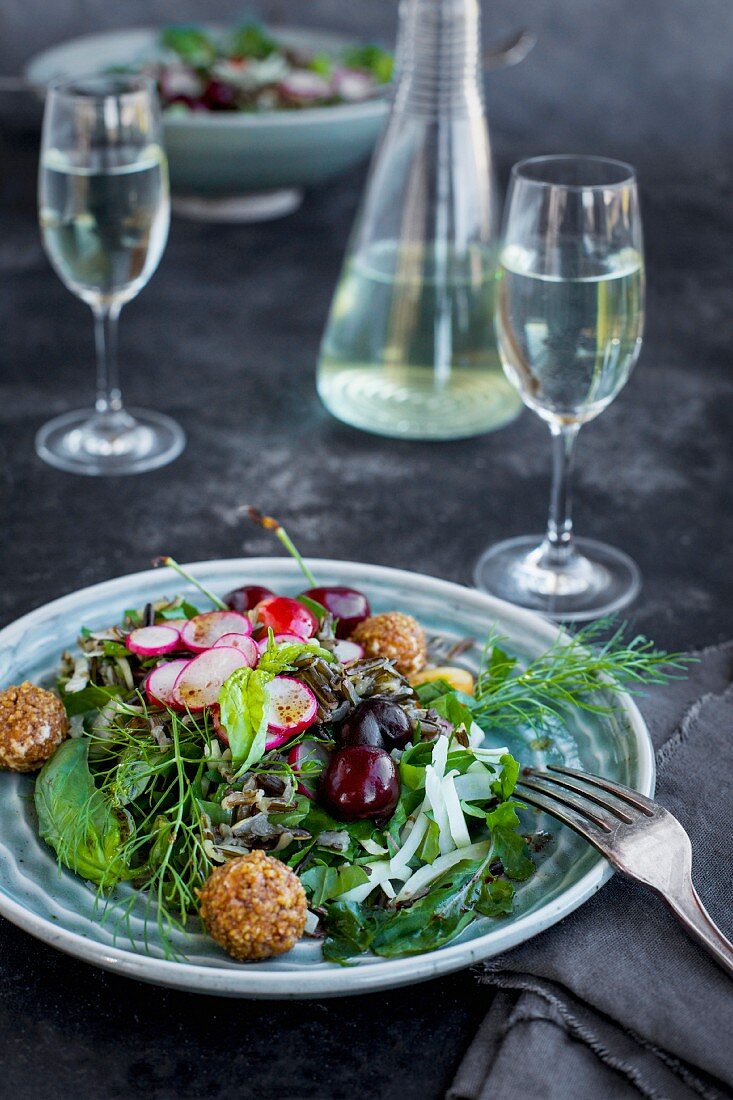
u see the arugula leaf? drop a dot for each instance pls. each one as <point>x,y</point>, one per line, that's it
<point>324,883</point>
<point>77,820</point>
<point>434,919</point>
<point>89,698</point>
<point>243,714</point>
<point>114,649</point>
<point>350,930</point>
<point>503,787</point>
<point>429,849</point>
<point>182,610</point>
<point>455,706</point>
<point>507,843</point>
<point>495,899</point>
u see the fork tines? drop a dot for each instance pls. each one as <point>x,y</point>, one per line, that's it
<point>572,796</point>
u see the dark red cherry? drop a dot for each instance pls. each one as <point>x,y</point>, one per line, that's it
<point>361,781</point>
<point>248,596</point>
<point>377,722</point>
<point>347,605</point>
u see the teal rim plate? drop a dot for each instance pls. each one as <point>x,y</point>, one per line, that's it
<point>62,910</point>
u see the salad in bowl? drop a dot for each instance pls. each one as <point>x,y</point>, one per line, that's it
<point>273,767</point>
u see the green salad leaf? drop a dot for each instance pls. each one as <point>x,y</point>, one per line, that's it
<point>89,698</point>
<point>85,829</point>
<point>326,882</point>
<point>282,658</point>
<point>373,58</point>
<point>192,45</point>
<point>242,703</point>
<point>252,41</point>
<point>507,843</point>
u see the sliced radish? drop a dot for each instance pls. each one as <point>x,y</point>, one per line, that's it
<point>312,753</point>
<point>246,645</point>
<point>347,652</point>
<point>291,708</point>
<point>153,641</point>
<point>159,683</point>
<point>200,682</point>
<point>280,639</point>
<point>203,631</point>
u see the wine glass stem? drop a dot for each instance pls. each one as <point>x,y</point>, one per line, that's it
<point>109,395</point>
<point>559,546</point>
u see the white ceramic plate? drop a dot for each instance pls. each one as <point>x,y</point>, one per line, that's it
<point>61,910</point>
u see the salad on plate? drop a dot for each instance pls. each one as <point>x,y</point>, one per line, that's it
<point>270,766</point>
<point>250,69</point>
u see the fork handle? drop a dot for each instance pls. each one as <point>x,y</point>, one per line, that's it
<point>697,922</point>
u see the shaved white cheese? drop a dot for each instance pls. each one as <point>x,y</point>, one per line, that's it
<point>456,820</point>
<point>389,889</point>
<point>379,872</point>
<point>427,874</point>
<point>373,848</point>
<point>413,841</point>
<point>475,736</point>
<point>434,795</point>
<point>440,756</point>
<point>485,752</point>
<point>311,923</point>
<point>474,786</point>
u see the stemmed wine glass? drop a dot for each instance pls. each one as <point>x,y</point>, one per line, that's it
<point>104,211</point>
<point>569,318</point>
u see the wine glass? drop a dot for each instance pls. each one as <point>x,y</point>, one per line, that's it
<point>569,319</point>
<point>104,212</point>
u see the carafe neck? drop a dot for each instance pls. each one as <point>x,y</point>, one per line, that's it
<point>439,57</point>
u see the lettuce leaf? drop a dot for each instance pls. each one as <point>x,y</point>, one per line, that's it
<point>243,714</point>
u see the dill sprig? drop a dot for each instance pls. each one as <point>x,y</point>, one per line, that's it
<point>584,671</point>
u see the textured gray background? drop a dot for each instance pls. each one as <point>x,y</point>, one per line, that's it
<point>225,338</point>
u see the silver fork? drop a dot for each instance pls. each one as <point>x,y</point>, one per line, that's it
<point>638,837</point>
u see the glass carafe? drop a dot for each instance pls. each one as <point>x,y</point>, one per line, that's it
<point>409,348</point>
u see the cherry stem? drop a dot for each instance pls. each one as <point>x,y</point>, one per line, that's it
<point>270,524</point>
<point>172,564</point>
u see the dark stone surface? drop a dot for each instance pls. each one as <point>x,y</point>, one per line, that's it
<point>225,339</point>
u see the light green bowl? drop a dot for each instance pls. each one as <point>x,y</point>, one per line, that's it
<point>217,156</point>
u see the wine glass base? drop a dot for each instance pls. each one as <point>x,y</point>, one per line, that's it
<point>128,442</point>
<point>599,580</point>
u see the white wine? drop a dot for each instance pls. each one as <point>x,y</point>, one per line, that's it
<point>104,219</point>
<point>409,349</point>
<point>569,342</point>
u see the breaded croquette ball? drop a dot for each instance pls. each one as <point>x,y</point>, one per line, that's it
<point>33,723</point>
<point>254,907</point>
<point>394,635</point>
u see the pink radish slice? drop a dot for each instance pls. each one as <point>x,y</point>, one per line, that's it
<point>200,682</point>
<point>314,753</point>
<point>159,683</point>
<point>153,641</point>
<point>243,643</point>
<point>347,652</point>
<point>280,639</point>
<point>291,708</point>
<point>203,631</point>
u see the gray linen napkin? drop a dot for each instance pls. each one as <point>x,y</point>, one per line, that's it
<point>616,1001</point>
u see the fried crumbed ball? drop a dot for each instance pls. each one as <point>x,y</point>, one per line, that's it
<point>394,635</point>
<point>254,906</point>
<point>33,724</point>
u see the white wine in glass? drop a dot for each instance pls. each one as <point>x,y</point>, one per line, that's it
<point>569,318</point>
<point>104,212</point>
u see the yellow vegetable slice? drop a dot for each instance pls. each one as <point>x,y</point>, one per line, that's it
<point>458,678</point>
